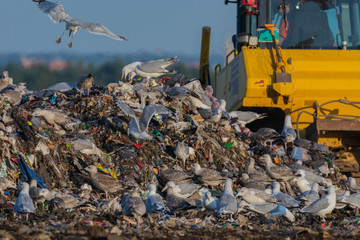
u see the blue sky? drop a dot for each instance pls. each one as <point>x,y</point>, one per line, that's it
<point>154,26</point>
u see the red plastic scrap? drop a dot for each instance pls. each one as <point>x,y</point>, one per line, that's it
<point>136,145</point>
<point>98,223</point>
<point>139,164</point>
<point>14,160</point>
<point>164,79</point>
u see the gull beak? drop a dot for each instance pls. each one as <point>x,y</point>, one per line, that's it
<point>163,190</point>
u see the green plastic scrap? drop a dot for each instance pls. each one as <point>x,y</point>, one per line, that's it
<point>215,193</point>
<point>228,145</point>
<point>328,159</point>
<point>234,224</point>
<point>156,133</point>
<point>86,125</point>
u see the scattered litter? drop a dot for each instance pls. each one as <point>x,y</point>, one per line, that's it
<point>94,157</point>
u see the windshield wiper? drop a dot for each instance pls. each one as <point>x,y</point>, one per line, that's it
<point>307,43</point>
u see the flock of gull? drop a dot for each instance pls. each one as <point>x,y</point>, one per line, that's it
<point>263,195</point>
<point>268,186</point>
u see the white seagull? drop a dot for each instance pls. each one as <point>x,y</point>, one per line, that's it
<point>138,128</point>
<point>324,205</point>
<point>57,14</point>
<point>150,69</point>
<point>288,131</point>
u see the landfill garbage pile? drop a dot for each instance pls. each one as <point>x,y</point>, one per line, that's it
<point>159,159</point>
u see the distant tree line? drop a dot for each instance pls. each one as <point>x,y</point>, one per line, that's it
<point>40,76</point>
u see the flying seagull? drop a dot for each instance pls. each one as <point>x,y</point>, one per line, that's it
<point>138,128</point>
<point>57,14</point>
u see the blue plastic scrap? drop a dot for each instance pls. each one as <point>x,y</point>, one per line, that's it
<point>26,174</point>
<point>53,99</point>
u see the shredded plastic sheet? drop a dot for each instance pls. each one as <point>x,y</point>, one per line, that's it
<point>106,170</point>
<point>26,173</point>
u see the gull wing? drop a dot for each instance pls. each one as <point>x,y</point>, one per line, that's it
<point>149,112</point>
<point>55,11</point>
<point>157,65</point>
<point>126,109</point>
<point>262,208</point>
<point>316,206</point>
<point>97,28</point>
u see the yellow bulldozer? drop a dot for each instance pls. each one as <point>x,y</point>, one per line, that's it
<point>300,58</point>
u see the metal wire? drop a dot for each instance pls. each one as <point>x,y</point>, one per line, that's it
<point>297,121</point>
<point>337,116</point>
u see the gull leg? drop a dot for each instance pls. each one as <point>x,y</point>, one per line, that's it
<point>72,38</point>
<point>59,40</point>
<point>289,189</point>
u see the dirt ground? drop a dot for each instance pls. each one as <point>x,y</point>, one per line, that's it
<point>190,225</point>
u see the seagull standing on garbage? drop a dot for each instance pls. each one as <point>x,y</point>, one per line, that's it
<point>213,115</point>
<point>24,203</point>
<point>183,190</point>
<point>153,203</point>
<point>85,82</point>
<point>132,204</point>
<point>324,205</point>
<point>176,203</point>
<point>277,172</point>
<point>257,175</point>
<point>57,14</point>
<point>227,203</point>
<point>150,69</point>
<point>103,182</point>
<point>246,181</point>
<point>52,116</point>
<point>284,198</point>
<point>183,151</point>
<point>68,201</point>
<point>174,175</point>
<point>207,176</point>
<point>288,131</point>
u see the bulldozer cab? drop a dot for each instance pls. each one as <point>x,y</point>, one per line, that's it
<point>303,24</point>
